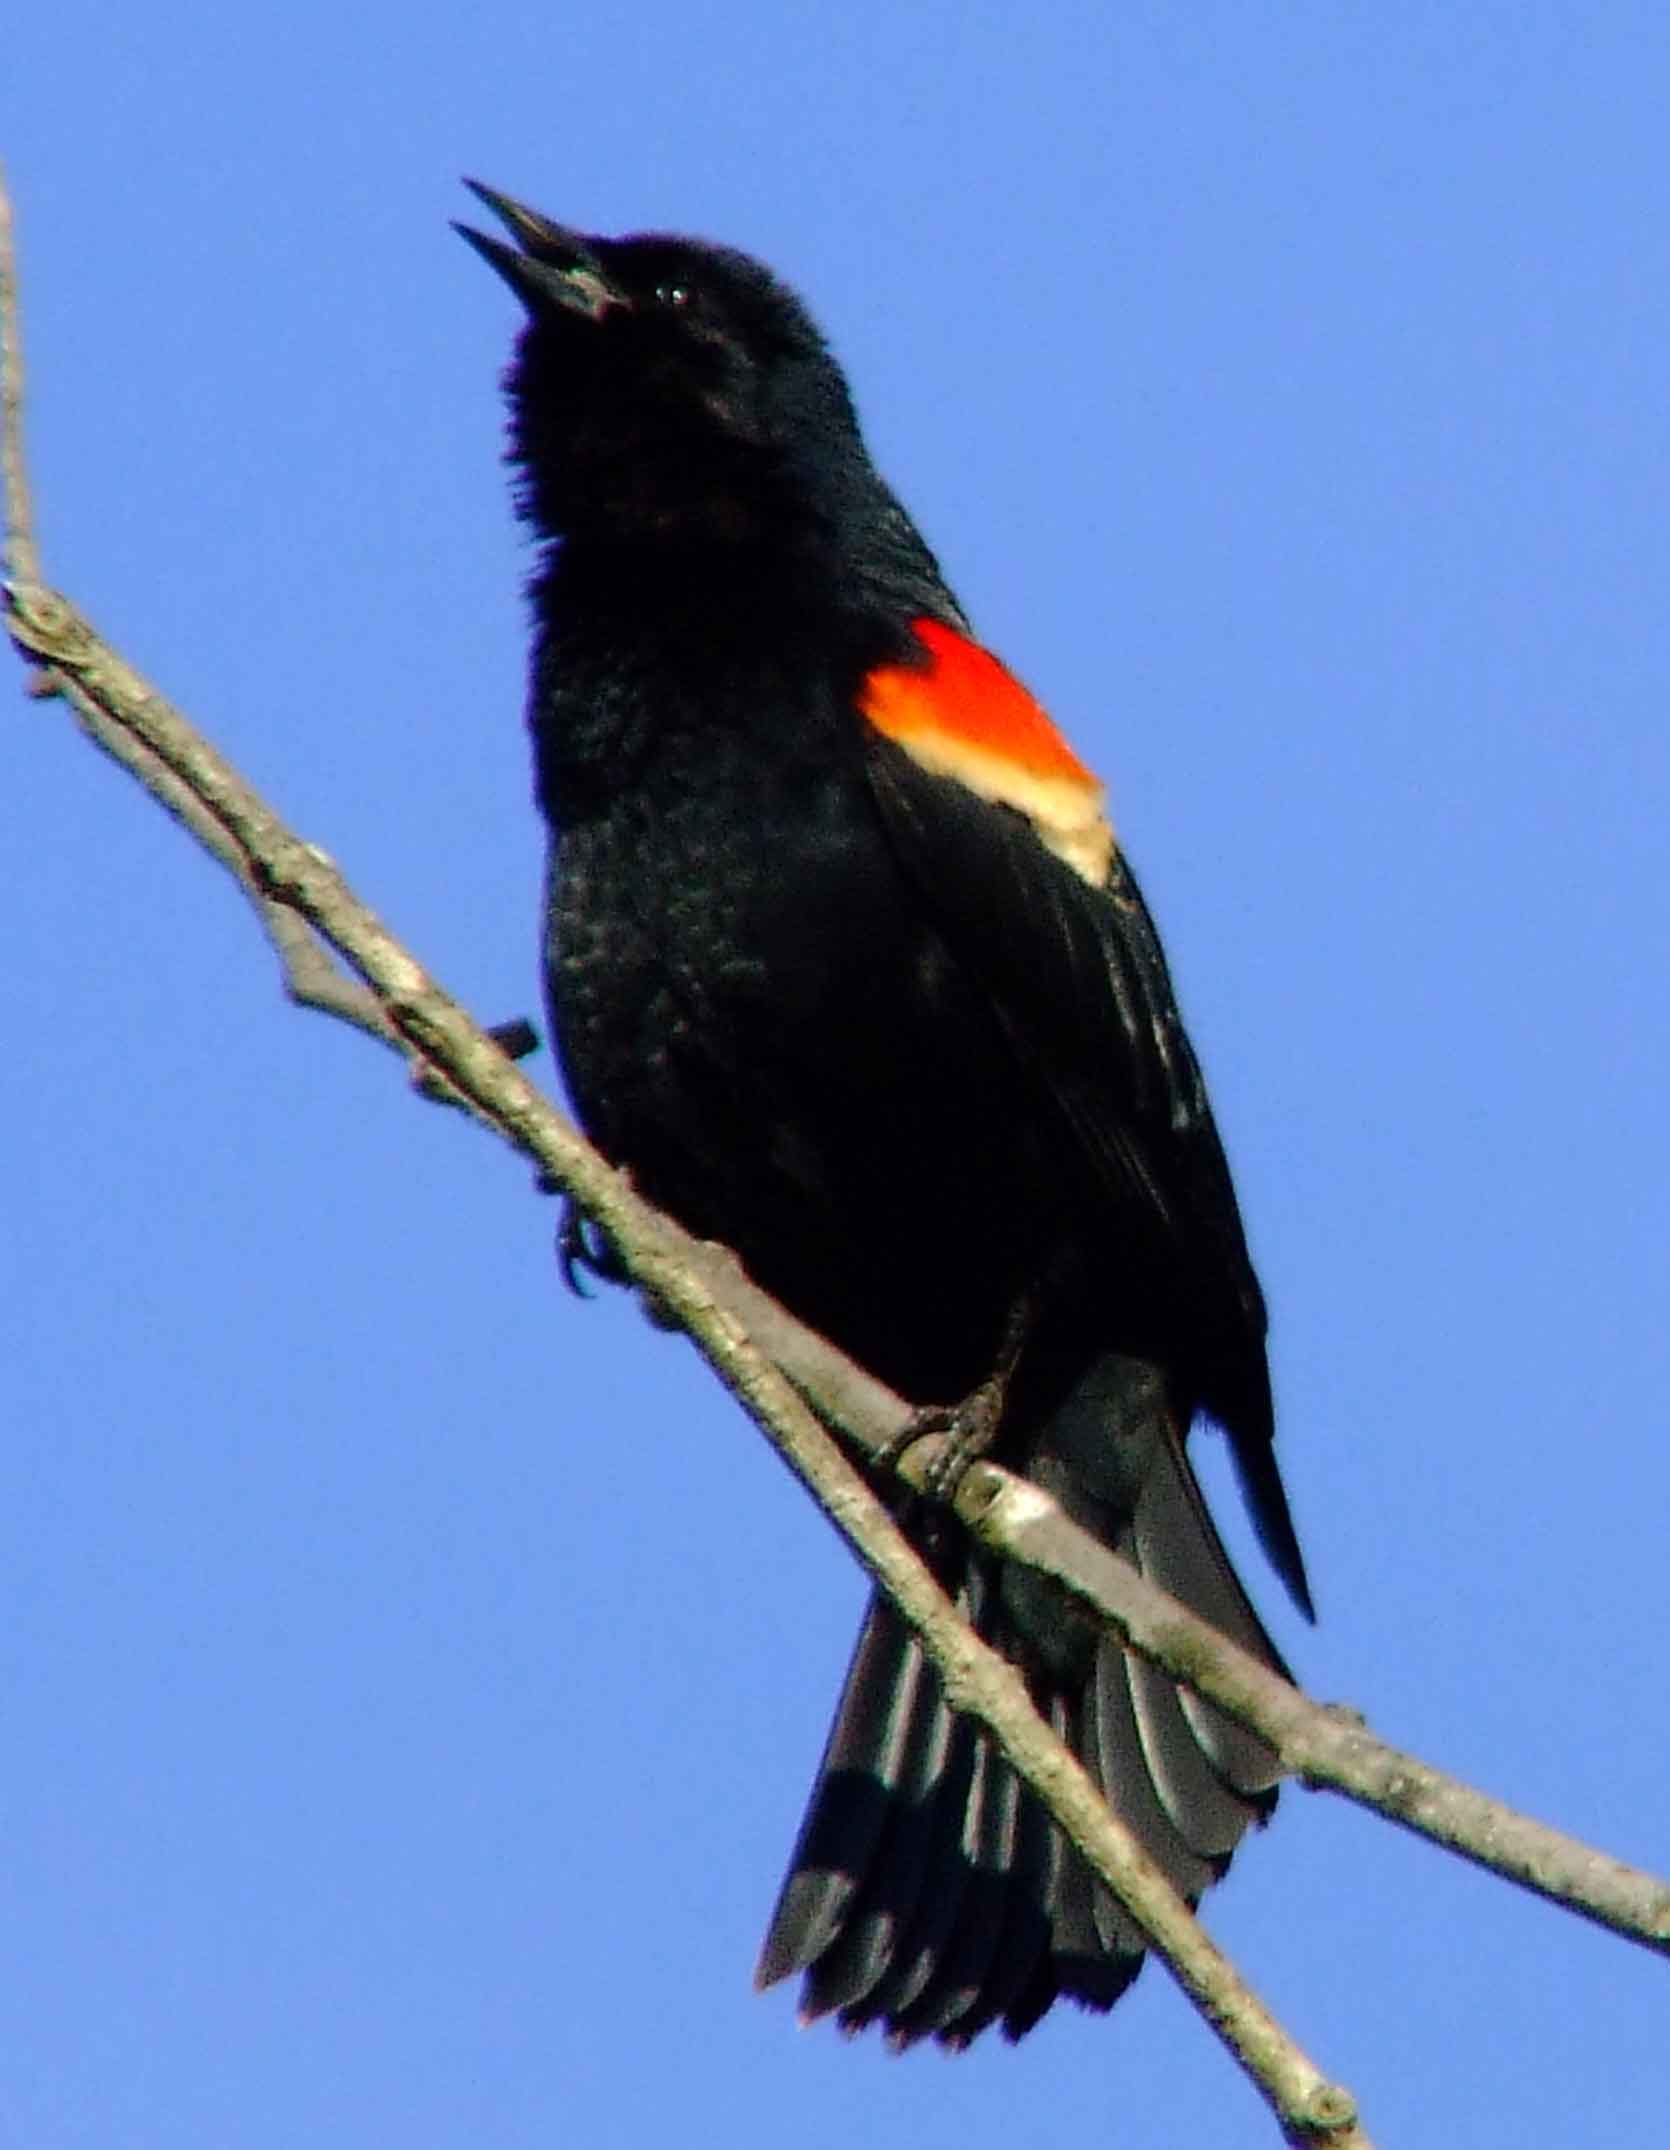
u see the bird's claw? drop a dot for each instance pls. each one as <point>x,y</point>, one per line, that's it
<point>967,1431</point>
<point>583,1252</point>
<point>970,1428</point>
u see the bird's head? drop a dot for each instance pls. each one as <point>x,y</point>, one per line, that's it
<point>663,388</point>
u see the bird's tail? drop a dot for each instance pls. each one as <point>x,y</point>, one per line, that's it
<point>929,1892</point>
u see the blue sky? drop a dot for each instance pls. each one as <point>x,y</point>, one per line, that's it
<point>411,1678</point>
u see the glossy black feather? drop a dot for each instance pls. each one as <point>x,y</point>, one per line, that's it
<point>1077,976</point>
<point>863,1026</point>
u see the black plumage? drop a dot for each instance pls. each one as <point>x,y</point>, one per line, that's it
<point>843,964</point>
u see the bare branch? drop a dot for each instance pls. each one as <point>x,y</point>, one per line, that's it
<point>310,978</point>
<point>792,1382</point>
<point>443,1038</point>
<point>21,554</point>
<point>286,876</point>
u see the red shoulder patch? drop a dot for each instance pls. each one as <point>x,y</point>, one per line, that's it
<point>963,714</point>
<point>964,693</point>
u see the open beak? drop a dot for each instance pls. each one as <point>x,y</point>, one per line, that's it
<point>550,267</point>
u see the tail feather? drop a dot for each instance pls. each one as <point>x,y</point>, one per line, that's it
<point>947,1874</point>
<point>849,1812</point>
<point>1021,1955</point>
<point>1207,1814</point>
<point>1117,1756</point>
<point>873,1929</point>
<point>1176,1545</point>
<point>987,1840</point>
<point>930,1892</point>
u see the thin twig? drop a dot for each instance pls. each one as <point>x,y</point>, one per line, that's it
<point>309,976</point>
<point>311,979</point>
<point>22,555</point>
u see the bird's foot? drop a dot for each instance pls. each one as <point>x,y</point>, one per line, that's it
<point>969,1429</point>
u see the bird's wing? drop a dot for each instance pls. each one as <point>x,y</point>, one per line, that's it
<point>1004,832</point>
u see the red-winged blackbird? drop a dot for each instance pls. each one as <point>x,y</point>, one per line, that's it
<point>845,964</point>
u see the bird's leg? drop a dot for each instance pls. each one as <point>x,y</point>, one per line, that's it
<point>970,1427</point>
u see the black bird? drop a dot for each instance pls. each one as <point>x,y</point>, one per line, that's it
<point>845,963</point>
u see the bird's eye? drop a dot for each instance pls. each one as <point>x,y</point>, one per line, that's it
<point>672,294</point>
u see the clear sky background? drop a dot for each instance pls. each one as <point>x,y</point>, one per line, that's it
<point>411,1678</point>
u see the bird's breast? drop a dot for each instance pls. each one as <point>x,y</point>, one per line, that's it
<point>756,1013</point>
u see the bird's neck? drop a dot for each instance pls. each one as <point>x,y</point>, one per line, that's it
<point>796,552</point>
